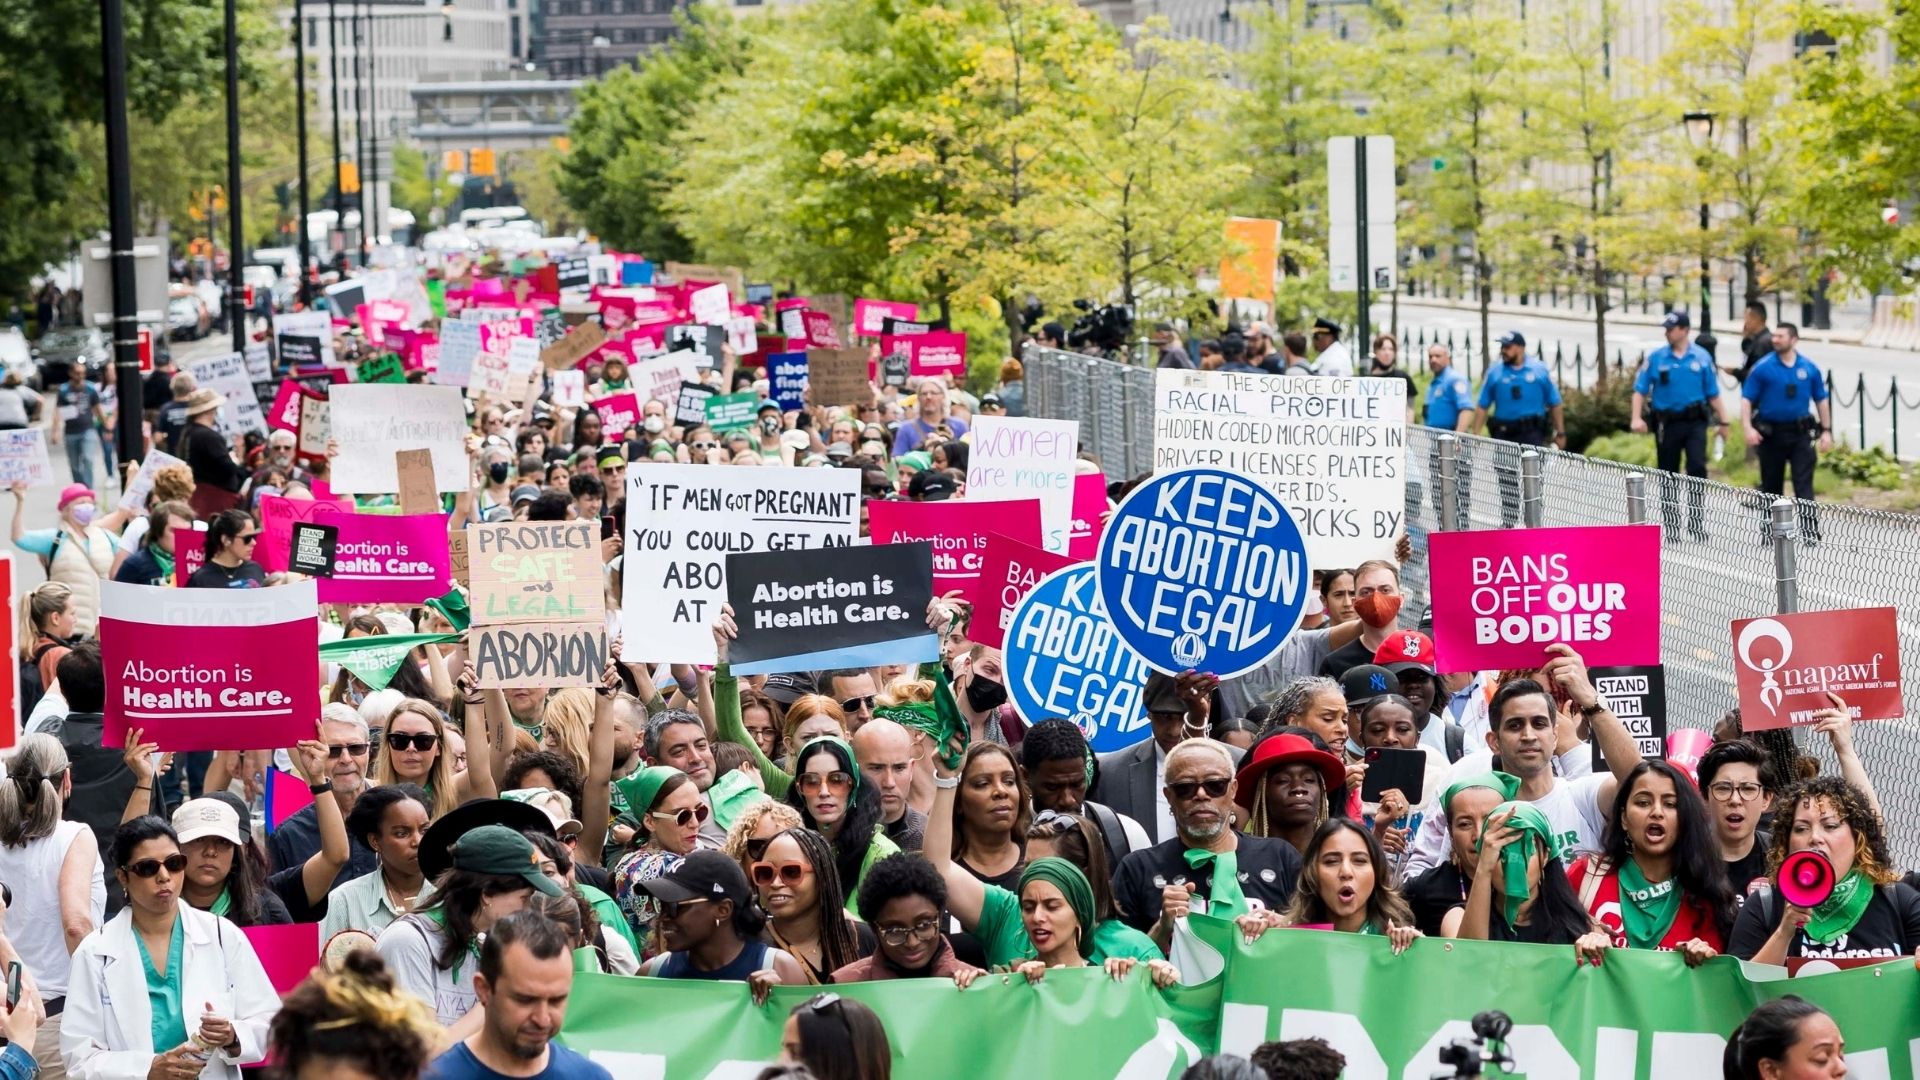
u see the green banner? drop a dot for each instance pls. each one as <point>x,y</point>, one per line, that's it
<point>732,412</point>
<point>384,368</point>
<point>1639,1016</point>
<point>374,659</point>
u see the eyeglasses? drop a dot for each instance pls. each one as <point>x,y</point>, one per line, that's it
<point>1185,790</point>
<point>1725,791</point>
<point>897,936</point>
<point>683,817</point>
<point>1054,822</point>
<point>358,749</point>
<point>857,704</point>
<point>813,782</point>
<point>147,868</point>
<point>673,910</point>
<point>793,873</point>
<point>400,740</point>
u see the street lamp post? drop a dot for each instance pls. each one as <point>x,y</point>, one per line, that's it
<point>236,242</point>
<point>339,173</point>
<point>300,122</point>
<point>126,316</point>
<point>1699,127</point>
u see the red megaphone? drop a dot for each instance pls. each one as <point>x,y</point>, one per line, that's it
<point>1806,879</point>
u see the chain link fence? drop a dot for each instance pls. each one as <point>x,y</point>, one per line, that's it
<point>1722,560</point>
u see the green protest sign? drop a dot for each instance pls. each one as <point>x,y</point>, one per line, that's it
<point>385,368</point>
<point>374,659</point>
<point>732,412</point>
<point>437,297</point>
<point>1639,1016</point>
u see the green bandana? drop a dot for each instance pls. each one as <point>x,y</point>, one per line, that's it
<point>586,959</point>
<point>642,786</point>
<point>1514,857</point>
<point>453,608</point>
<point>731,795</point>
<point>375,658</point>
<point>161,559</point>
<point>1842,910</point>
<point>1508,787</point>
<point>938,724</point>
<point>1224,898</point>
<point>222,903</point>
<point>1072,883</point>
<point>1646,910</point>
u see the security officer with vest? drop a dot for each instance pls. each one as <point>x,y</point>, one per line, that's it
<point>1777,405</point>
<point>1449,407</point>
<point>1526,410</point>
<point>1684,388</point>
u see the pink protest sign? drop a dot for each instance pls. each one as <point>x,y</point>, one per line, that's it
<point>277,516</point>
<point>211,669</point>
<point>958,532</point>
<point>288,951</point>
<point>1008,573</point>
<point>286,796</point>
<point>1500,597</point>
<point>1089,512</point>
<point>388,559</point>
<point>285,414</point>
<point>618,412</point>
<point>867,315</point>
<point>819,330</point>
<point>938,352</point>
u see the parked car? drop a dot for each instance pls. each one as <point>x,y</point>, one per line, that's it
<point>58,349</point>
<point>188,318</point>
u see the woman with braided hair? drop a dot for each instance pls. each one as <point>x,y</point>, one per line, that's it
<point>806,905</point>
<point>351,1022</point>
<point>1288,785</point>
<point>53,870</point>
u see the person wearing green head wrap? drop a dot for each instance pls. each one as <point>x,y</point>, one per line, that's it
<point>835,801</point>
<point>1056,906</point>
<point>670,812</point>
<point>1465,807</point>
<point>1515,859</point>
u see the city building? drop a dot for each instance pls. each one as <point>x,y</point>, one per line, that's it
<point>584,39</point>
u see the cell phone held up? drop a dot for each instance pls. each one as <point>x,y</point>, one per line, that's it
<point>1389,768</point>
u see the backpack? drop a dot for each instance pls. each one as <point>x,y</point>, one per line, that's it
<point>31,688</point>
<point>1114,833</point>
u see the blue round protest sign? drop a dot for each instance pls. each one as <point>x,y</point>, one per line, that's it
<point>1203,569</point>
<point>1065,662</point>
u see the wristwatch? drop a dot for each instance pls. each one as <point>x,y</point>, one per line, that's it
<point>1588,712</point>
<point>322,787</point>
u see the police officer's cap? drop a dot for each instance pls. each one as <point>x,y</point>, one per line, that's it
<point>1328,325</point>
<point>1677,318</point>
<point>1512,337</point>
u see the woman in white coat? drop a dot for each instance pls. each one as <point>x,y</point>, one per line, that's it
<point>163,991</point>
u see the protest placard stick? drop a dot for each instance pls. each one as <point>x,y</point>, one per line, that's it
<point>415,470</point>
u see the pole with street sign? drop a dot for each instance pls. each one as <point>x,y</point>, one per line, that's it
<point>1361,239</point>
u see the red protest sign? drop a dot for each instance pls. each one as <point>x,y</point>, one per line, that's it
<point>1500,597</point>
<point>1785,665</point>
<point>210,669</point>
<point>1008,573</point>
<point>869,315</point>
<point>957,530</point>
<point>818,326</point>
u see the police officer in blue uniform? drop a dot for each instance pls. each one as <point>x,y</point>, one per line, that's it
<point>1778,406</point>
<point>1449,407</point>
<point>1526,410</point>
<point>1681,383</point>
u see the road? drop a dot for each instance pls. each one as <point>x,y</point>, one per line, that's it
<point>1545,331</point>
<point>41,500</point>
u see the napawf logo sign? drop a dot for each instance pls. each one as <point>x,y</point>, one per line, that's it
<point>1787,664</point>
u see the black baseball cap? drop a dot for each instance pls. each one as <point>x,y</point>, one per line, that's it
<point>702,875</point>
<point>932,485</point>
<point>1364,682</point>
<point>436,844</point>
<point>786,687</point>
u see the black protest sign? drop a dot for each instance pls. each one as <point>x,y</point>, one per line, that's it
<point>760,293</point>
<point>691,408</point>
<point>313,548</point>
<point>1637,694</point>
<point>573,273</point>
<point>895,369</point>
<point>705,342</point>
<point>831,607</point>
<point>300,350</point>
<point>892,327</point>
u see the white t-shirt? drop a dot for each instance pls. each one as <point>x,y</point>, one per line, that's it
<point>411,947</point>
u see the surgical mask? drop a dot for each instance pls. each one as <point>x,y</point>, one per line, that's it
<point>769,424</point>
<point>499,471</point>
<point>1378,610</point>
<point>83,514</point>
<point>655,425</point>
<point>985,694</point>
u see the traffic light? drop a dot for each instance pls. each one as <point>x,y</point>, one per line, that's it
<point>453,161</point>
<point>482,159</point>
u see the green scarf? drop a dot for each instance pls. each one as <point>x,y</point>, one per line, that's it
<point>928,717</point>
<point>1534,830</point>
<point>586,959</point>
<point>1072,883</point>
<point>161,559</point>
<point>1224,897</point>
<point>1842,910</point>
<point>453,608</point>
<point>222,903</point>
<point>731,795</point>
<point>846,751</point>
<point>1646,910</point>
<point>375,658</point>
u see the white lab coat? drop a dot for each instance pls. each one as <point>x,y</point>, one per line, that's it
<point>106,1032</point>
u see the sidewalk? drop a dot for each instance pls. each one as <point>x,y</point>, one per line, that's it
<point>1617,317</point>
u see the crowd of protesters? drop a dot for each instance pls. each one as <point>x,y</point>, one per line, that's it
<point>824,827</point>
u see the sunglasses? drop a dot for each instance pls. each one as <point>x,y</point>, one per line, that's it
<point>766,873</point>
<point>705,444</point>
<point>247,538</point>
<point>820,1002</point>
<point>757,847</point>
<point>1185,790</point>
<point>400,740</point>
<point>857,704</point>
<point>1053,822</point>
<point>673,910</point>
<point>358,749</point>
<point>147,868</point>
<point>684,818</point>
<point>813,781</point>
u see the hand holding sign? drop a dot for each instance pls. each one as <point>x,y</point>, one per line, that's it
<point>1568,671</point>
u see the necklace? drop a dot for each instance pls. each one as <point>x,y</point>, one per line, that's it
<point>400,900</point>
<point>813,963</point>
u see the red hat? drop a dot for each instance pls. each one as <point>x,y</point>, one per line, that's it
<point>1285,750</point>
<point>1406,650</point>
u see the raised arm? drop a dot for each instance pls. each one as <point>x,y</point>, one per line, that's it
<point>1622,753</point>
<point>139,758</point>
<point>317,873</point>
<point>597,814</point>
<point>726,709</point>
<point>1837,724</point>
<point>966,894</point>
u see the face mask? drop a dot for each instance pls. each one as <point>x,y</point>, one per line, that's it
<point>985,694</point>
<point>655,425</point>
<point>83,515</point>
<point>1377,610</point>
<point>498,472</point>
<point>770,424</point>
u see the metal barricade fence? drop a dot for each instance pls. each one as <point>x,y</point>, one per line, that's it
<point>1721,561</point>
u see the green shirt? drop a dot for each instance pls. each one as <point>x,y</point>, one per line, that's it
<point>1003,936</point>
<point>163,990</point>
<point>607,910</point>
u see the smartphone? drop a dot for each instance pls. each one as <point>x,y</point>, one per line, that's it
<point>13,983</point>
<point>1389,768</point>
<point>606,527</point>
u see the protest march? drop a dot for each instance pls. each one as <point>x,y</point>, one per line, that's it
<point>427,698</point>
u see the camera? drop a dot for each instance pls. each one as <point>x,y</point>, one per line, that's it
<point>1105,328</point>
<point>1465,1058</point>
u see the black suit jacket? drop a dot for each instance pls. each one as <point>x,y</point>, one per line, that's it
<point>1129,783</point>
